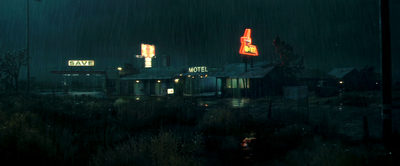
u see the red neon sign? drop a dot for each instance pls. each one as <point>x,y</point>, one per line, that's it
<point>246,48</point>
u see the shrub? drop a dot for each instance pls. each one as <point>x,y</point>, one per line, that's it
<point>222,121</point>
<point>21,139</point>
<point>325,153</point>
<point>166,148</point>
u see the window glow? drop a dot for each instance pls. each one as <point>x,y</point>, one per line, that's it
<point>246,48</point>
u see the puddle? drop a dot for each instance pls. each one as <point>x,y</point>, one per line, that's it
<point>239,102</point>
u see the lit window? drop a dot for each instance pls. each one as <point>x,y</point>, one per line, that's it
<point>231,82</point>
<point>87,74</point>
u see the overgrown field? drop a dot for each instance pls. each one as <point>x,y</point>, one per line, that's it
<point>51,130</point>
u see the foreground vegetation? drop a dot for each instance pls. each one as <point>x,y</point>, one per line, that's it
<point>69,130</point>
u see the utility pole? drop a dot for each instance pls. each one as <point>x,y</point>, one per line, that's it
<point>27,48</point>
<point>386,72</point>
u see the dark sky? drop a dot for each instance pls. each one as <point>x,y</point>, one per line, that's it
<point>329,34</point>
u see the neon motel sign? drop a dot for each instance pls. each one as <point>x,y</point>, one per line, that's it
<point>81,63</point>
<point>199,69</point>
<point>148,52</point>
<point>246,48</point>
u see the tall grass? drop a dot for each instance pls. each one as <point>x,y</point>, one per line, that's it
<point>166,148</point>
<point>319,152</point>
<point>223,121</point>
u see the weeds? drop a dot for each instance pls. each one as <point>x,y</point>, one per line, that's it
<point>166,148</point>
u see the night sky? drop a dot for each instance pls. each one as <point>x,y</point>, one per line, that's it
<point>329,34</point>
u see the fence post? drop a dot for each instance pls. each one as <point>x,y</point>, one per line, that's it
<point>269,110</point>
<point>365,127</point>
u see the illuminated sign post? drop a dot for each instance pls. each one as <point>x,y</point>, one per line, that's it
<point>81,63</point>
<point>246,48</point>
<point>148,52</point>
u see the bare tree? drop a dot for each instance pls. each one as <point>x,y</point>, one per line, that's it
<point>10,65</point>
<point>291,63</point>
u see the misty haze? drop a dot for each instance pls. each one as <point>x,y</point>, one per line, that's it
<point>190,82</point>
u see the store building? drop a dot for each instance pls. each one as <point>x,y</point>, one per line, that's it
<point>150,81</point>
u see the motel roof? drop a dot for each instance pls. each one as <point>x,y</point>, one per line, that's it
<point>341,72</point>
<point>313,74</point>
<point>154,73</point>
<point>237,70</point>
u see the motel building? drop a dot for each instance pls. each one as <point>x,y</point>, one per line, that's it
<point>196,81</point>
<point>257,80</point>
<point>149,81</point>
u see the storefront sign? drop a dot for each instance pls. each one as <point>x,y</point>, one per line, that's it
<point>170,91</point>
<point>246,48</point>
<point>199,69</point>
<point>81,63</point>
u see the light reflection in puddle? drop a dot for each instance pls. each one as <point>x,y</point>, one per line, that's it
<point>239,102</point>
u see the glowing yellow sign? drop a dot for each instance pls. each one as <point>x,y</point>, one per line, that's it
<point>246,48</point>
<point>148,51</point>
<point>81,63</point>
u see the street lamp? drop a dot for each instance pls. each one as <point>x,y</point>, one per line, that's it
<point>27,45</point>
